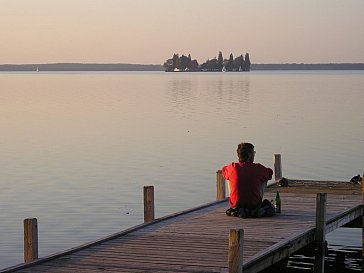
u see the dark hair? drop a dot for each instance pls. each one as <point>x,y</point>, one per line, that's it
<point>244,151</point>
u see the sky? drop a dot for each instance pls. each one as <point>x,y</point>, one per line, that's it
<point>150,31</point>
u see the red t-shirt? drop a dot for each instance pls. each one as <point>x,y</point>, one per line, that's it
<point>247,182</point>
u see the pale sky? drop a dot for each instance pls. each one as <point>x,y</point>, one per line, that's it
<point>150,31</point>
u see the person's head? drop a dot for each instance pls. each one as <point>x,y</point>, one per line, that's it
<point>245,152</point>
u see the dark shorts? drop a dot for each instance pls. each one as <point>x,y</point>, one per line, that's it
<point>266,209</point>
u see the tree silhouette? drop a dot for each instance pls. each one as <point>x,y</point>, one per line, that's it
<point>175,61</point>
<point>247,62</point>
<point>230,63</point>
<point>185,63</point>
<point>239,64</point>
<point>220,61</point>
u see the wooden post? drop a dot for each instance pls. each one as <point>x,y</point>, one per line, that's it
<point>319,265</point>
<point>236,251</point>
<point>30,239</point>
<point>277,167</point>
<point>148,204</point>
<point>220,186</point>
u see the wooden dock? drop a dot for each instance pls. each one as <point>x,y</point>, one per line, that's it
<point>197,240</point>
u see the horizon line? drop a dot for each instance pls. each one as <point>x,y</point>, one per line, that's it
<point>92,63</point>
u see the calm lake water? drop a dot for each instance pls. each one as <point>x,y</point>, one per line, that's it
<point>77,148</point>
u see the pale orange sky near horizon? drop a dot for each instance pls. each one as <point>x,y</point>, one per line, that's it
<point>150,31</point>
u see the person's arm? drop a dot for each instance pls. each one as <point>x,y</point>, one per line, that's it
<point>225,172</point>
<point>262,189</point>
<point>269,174</point>
<point>264,172</point>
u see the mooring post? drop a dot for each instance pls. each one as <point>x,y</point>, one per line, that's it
<point>148,204</point>
<point>320,233</point>
<point>220,186</point>
<point>236,250</point>
<point>277,167</point>
<point>30,239</point>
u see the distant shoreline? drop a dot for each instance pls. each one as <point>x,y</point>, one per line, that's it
<point>80,67</point>
<point>323,66</point>
<point>151,67</point>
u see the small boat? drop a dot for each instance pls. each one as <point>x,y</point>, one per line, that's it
<point>223,69</point>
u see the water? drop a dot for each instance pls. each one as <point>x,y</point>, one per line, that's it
<point>77,148</point>
<point>344,255</point>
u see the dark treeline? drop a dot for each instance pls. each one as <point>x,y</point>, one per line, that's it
<point>141,67</point>
<point>185,63</point>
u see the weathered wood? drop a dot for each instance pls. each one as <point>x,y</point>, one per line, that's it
<point>30,239</point>
<point>220,186</point>
<point>197,240</point>
<point>344,218</point>
<point>277,167</point>
<point>148,204</point>
<point>236,251</point>
<point>320,233</point>
<point>279,251</point>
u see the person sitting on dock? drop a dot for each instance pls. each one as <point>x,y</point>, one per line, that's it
<point>246,182</point>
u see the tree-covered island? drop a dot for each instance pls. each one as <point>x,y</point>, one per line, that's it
<point>186,64</point>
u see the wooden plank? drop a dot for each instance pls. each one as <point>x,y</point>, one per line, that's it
<point>197,240</point>
<point>279,251</point>
<point>277,163</point>
<point>30,240</point>
<point>344,218</point>
<point>220,186</point>
<point>320,233</point>
<point>236,251</point>
<point>148,204</point>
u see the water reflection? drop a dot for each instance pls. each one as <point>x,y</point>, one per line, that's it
<point>210,92</point>
<point>78,148</point>
<point>342,257</point>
